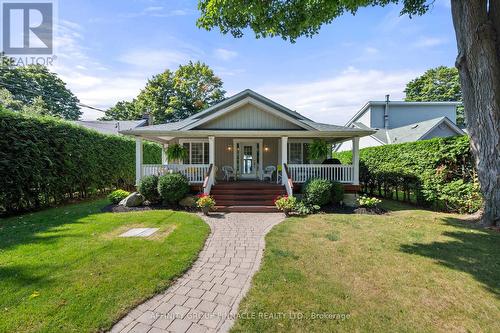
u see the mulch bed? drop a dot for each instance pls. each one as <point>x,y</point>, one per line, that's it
<point>112,208</point>
<point>370,211</point>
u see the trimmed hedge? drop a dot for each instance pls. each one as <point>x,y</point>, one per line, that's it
<point>422,172</point>
<point>46,161</point>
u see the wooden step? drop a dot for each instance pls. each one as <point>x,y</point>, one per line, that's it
<point>238,196</point>
<point>244,202</point>
<point>247,192</point>
<point>247,209</point>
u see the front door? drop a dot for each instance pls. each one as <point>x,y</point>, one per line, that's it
<point>248,160</point>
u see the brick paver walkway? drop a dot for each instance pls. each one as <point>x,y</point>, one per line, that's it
<point>206,298</point>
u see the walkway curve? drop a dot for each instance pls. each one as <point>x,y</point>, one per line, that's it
<point>206,298</point>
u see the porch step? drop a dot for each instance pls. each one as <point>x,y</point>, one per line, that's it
<point>243,196</point>
<point>247,209</point>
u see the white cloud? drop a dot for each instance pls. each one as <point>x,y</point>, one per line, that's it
<point>155,59</point>
<point>224,54</point>
<point>156,11</point>
<point>371,50</point>
<point>424,42</point>
<point>95,84</point>
<point>334,100</point>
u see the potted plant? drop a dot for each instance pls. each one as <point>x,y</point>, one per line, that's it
<point>318,150</point>
<point>176,153</point>
<point>205,202</point>
<point>286,204</point>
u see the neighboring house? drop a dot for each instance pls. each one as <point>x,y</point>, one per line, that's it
<point>398,122</point>
<point>111,126</point>
<point>247,136</point>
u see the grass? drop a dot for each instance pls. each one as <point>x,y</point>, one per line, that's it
<point>65,269</point>
<point>412,271</point>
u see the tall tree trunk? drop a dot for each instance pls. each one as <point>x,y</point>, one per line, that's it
<point>477,27</point>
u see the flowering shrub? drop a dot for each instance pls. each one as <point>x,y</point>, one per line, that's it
<point>205,200</point>
<point>368,202</point>
<point>285,203</point>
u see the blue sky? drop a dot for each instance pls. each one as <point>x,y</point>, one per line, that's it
<point>108,49</point>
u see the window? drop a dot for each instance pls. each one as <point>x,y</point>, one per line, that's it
<point>298,153</point>
<point>197,152</point>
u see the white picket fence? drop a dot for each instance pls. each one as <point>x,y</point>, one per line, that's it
<point>195,173</point>
<point>342,173</point>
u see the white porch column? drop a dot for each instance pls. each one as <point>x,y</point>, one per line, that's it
<point>211,155</point>
<point>284,158</point>
<point>164,159</point>
<point>138,160</point>
<point>355,160</point>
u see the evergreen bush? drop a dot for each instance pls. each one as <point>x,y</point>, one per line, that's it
<point>438,172</point>
<point>46,161</point>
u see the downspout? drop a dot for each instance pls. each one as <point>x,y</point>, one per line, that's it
<point>386,118</point>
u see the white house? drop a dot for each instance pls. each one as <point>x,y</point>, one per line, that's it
<point>240,148</point>
<point>398,122</point>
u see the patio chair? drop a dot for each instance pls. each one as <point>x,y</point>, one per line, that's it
<point>268,172</point>
<point>228,172</point>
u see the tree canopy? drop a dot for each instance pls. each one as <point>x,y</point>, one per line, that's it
<point>287,19</point>
<point>36,84</point>
<point>172,96</point>
<point>437,84</point>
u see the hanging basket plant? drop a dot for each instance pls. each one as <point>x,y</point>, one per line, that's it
<point>176,152</point>
<point>318,150</point>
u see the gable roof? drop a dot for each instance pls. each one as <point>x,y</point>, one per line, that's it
<point>111,126</point>
<point>242,95</point>
<point>412,132</point>
<point>191,123</point>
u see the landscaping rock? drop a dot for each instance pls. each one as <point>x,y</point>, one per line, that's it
<point>133,200</point>
<point>188,201</point>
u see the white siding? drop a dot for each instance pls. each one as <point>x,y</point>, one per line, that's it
<point>364,142</point>
<point>249,117</point>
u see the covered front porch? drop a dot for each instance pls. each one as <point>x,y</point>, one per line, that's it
<point>268,159</point>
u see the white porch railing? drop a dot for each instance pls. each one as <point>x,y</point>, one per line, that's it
<point>342,173</point>
<point>195,173</point>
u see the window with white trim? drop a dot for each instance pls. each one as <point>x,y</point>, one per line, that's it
<point>298,152</point>
<point>197,152</point>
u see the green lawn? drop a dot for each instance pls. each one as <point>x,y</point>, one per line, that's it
<point>65,269</point>
<point>410,271</point>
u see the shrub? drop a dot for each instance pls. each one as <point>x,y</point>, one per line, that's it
<point>337,192</point>
<point>285,203</point>
<point>46,161</point>
<point>318,191</point>
<point>173,187</point>
<point>118,195</point>
<point>148,187</point>
<point>461,197</point>
<point>303,208</point>
<point>368,202</point>
<point>427,172</point>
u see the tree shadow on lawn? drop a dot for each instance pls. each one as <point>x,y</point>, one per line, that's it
<point>474,250</point>
<point>31,228</point>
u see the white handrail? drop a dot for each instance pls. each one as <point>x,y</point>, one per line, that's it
<point>195,173</point>
<point>287,180</point>
<point>342,173</point>
<point>209,179</point>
